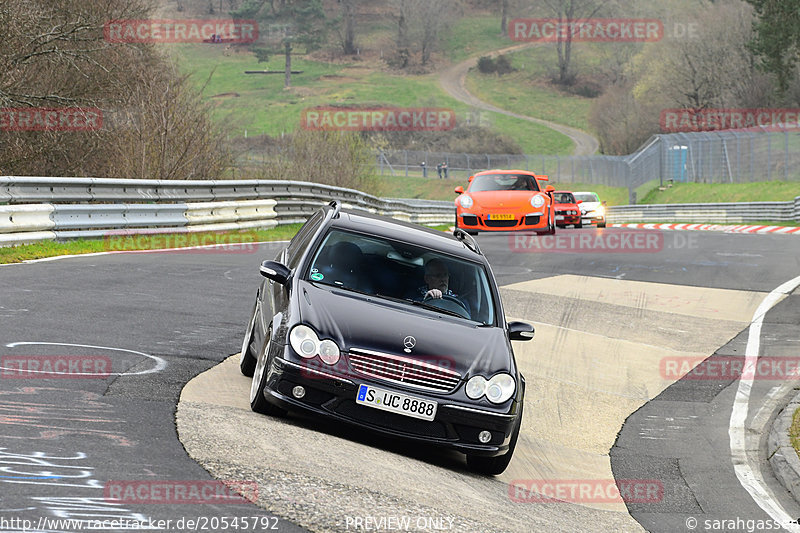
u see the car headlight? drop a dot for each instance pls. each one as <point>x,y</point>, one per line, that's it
<point>600,210</point>
<point>465,201</point>
<point>329,352</point>
<point>476,387</point>
<point>305,342</point>
<point>537,201</point>
<point>500,388</point>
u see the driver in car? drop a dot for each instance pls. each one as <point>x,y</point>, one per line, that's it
<point>437,281</point>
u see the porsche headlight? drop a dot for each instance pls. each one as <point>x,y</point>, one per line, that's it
<point>305,342</point>
<point>465,201</point>
<point>537,201</point>
<point>500,388</point>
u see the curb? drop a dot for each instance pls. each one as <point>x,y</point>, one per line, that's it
<point>775,230</point>
<point>781,454</point>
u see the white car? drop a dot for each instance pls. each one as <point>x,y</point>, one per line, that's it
<point>593,211</point>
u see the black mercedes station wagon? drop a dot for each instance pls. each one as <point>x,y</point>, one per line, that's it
<point>392,327</point>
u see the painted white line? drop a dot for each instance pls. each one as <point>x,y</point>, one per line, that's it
<point>114,252</point>
<point>737,428</point>
<point>160,364</point>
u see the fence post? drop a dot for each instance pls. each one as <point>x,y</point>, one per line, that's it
<point>406,152</point>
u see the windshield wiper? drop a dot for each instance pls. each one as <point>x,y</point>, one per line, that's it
<point>424,305</point>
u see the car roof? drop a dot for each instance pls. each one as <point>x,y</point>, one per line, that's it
<point>562,192</point>
<point>586,192</point>
<point>399,230</point>
<point>498,171</point>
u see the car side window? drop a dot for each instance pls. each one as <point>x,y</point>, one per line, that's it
<point>300,241</point>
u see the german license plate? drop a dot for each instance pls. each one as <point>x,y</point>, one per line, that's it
<point>395,402</point>
<point>501,217</point>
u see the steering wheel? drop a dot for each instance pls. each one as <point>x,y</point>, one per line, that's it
<point>449,303</point>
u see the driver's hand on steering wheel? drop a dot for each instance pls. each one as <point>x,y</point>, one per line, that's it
<point>433,293</point>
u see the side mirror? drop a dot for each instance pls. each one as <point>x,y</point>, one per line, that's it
<point>603,202</point>
<point>277,272</point>
<point>520,331</point>
<point>471,178</point>
<point>459,190</point>
<point>580,201</point>
<point>549,188</point>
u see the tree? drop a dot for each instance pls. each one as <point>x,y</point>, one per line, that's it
<point>504,17</point>
<point>349,16</point>
<point>153,125</point>
<point>422,23</point>
<point>305,19</point>
<point>777,39</point>
<point>568,11</point>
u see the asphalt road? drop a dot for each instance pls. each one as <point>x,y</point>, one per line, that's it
<point>63,440</point>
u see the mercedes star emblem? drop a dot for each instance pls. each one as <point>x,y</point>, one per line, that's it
<point>409,342</point>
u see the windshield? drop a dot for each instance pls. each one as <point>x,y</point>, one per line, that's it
<point>564,198</point>
<point>586,197</point>
<point>503,182</point>
<point>404,273</point>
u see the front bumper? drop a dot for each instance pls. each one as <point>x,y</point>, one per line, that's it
<point>533,221</point>
<point>592,218</point>
<point>567,219</point>
<point>455,426</point>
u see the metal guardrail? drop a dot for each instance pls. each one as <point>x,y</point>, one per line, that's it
<point>72,208</point>
<point>39,208</point>
<point>718,213</point>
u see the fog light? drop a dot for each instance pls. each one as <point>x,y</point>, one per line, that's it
<point>484,436</point>
<point>298,392</point>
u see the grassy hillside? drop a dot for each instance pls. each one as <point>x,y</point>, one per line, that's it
<point>259,103</point>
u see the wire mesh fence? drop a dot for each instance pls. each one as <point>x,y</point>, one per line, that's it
<point>734,156</point>
<point>731,156</point>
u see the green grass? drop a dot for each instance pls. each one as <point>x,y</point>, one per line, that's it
<point>473,35</point>
<point>259,104</point>
<point>24,252</point>
<point>526,93</point>
<point>688,193</point>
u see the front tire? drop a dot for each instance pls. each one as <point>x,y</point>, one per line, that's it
<point>247,361</point>
<point>258,402</point>
<point>494,466</point>
<point>601,224</point>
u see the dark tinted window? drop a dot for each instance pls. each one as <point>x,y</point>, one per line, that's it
<point>403,272</point>
<point>503,182</point>
<point>564,198</point>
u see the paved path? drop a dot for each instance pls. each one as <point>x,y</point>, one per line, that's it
<point>452,81</point>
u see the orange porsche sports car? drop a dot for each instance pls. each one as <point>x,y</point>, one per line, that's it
<point>505,200</point>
